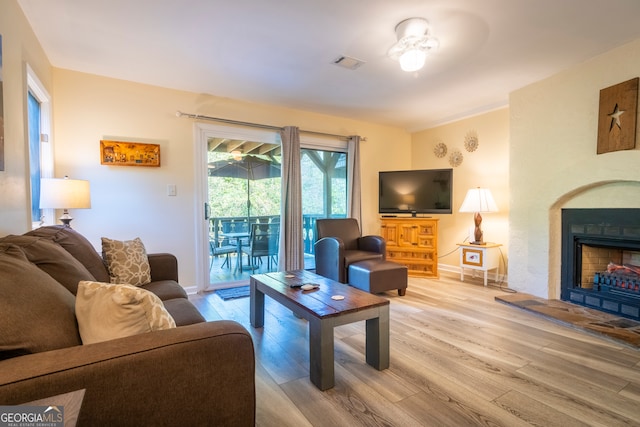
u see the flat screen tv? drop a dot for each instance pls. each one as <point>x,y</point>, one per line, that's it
<point>427,191</point>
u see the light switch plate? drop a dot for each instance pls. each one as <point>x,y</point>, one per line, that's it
<point>171,190</point>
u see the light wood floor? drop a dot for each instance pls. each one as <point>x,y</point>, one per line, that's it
<point>458,358</point>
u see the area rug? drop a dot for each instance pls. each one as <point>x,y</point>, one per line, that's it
<point>590,320</point>
<point>233,293</point>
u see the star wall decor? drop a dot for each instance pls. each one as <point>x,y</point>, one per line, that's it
<point>617,117</point>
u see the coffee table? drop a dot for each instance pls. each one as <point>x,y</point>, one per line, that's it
<point>323,314</point>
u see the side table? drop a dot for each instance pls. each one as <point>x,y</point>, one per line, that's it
<point>479,257</point>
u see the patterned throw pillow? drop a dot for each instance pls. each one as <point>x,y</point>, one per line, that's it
<point>108,311</point>
<point>127,261</point>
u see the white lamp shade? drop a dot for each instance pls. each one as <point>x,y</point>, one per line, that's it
<point>479,200</point>
<point>58,193</point>
<point>412,59</point>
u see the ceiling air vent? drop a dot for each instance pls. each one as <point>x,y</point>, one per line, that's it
<point>348,62</point>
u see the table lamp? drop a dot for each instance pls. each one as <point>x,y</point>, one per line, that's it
<point>476,201</point>
<point>64,193</point>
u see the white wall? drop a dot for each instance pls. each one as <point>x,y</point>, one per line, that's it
<point>19,48</point>
<point>487,166</point>
<point>131,201</point>
<point>553,164</point>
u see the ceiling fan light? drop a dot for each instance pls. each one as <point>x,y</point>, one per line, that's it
<point>412,60</point>
<point>413,45</point>
<point>432,43</point>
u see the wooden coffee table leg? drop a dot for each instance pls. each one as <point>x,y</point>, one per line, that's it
<point>256,311</point>
<point>321,353</point>
<point>377,346</point>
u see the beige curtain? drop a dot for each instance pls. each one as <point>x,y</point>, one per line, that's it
<point>291,252</point>
<point>354,202</point>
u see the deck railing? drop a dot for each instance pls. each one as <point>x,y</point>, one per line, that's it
<point>236,224</point>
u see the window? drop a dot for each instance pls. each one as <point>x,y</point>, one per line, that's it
<point>324,186</point>
<point>33,109</point>
<point>40,150</point>
<point>325,173</point>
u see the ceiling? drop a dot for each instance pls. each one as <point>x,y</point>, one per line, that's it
<point>282,52</point>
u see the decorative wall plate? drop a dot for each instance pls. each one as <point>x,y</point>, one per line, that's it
<point>455,159</point>
<point>471,141</point>
<point>440,150</point>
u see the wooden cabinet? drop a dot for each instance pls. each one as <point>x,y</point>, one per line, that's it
<point>412,242</point>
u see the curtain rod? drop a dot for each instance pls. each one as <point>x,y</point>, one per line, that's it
<point>258,125</point>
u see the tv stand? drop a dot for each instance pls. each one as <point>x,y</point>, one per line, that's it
<point>412,242</point>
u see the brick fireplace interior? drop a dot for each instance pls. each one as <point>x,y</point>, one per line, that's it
<point>601,259</point>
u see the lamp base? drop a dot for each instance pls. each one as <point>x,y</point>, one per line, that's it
<point>477,232</point>
<point>66,222</point>
<point>66,219</point>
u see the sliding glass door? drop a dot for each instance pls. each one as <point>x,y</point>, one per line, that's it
<point>243,184</point>
<point>240,184</point>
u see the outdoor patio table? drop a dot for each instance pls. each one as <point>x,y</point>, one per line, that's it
<point>238,236</point>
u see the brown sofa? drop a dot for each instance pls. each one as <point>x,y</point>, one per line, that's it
<point>199,373</point>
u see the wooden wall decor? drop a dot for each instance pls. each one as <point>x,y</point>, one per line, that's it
<point>617,117</point>
<point>122,153</point>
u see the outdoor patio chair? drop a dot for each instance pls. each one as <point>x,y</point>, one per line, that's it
<point>219,245</point>
<point>263,242</point>
<point>221,250</point>
<point>341,244</point>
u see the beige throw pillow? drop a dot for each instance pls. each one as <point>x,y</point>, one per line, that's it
<point>108,311</point>
<point>127,261</point>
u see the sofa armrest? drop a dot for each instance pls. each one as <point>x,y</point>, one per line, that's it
<point>329,255</point>
<point>373,244</point>
<point>202,374</point>
<point>163,267</point>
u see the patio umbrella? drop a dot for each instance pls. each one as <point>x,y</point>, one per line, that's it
<point>248,167</point>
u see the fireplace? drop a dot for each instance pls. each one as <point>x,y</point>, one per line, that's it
<point>601,259</point>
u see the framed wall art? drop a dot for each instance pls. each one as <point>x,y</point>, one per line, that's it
<point>122,153</point>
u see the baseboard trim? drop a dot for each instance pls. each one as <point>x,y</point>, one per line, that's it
<point>191,290</point>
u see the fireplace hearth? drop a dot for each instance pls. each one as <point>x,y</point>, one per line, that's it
<point>601,259</point>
